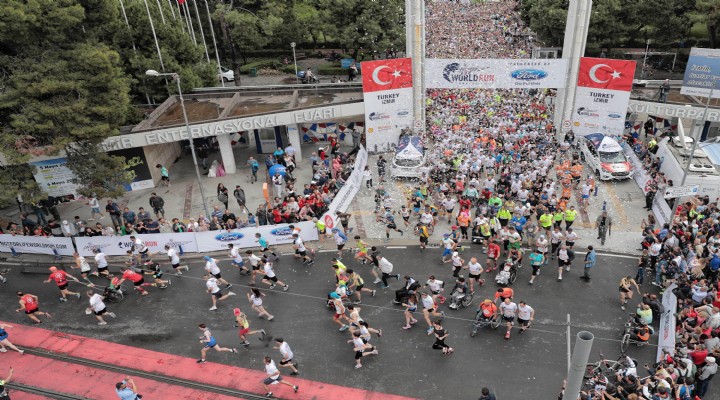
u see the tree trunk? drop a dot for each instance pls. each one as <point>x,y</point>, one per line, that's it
<point>355,53</point>
<point>712,35</point>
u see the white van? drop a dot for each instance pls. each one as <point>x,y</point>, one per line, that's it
<point>605,157</point>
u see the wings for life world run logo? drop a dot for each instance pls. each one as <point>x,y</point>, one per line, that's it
<point>229,236</point>
<point>455,73</point>
<point>587,113</point>
<point>90,247</point>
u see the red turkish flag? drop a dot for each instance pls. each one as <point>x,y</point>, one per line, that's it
<point>181,2</point>
<point>389,74</point>
<point>605,73</point>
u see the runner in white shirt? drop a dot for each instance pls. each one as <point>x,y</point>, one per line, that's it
<point>255,265</point>
<point>474,270</point>
<point>287,355</point>
<point>85,269</point>
<point>301,250</point>
<point>457,263</point>
<point>525,315</point>
<point>97,307</point>
<point>362,349</point>
<point>212,268</point>
<point>508,309</point>
<point>570,238</point>
<point>237,259</point>
<point>175,259</point>
<point>139,248</point>
<point>256,301</point>
<point>270,277</point>
<point>428,305</point>
<point>211,284</point>
<point>273,377</point>
<point>102,263</point>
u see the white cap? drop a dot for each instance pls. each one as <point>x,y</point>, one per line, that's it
<point>65,222</point>
<point>455,254</point>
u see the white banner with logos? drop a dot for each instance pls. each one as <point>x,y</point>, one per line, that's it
<point>36,244</point>
<point>661,209</point>
<point>387,112</point>
<point>640,175</point>
<point>347,193</point>
<point>666,334</point>
<point>495,74</point>
<point>599,111</point>
<point>119,245</point>
<point>245,237</point>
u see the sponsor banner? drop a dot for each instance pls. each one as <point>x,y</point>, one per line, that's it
<point>662,210</point>
<point>347,193</point>
<point>388,96</point>
<point>495,74</point>
<point>599,111</point>
<point>640,175</point>
<point>36,244</point>
<point>54,177</point>
<point>702,73</point>
<point>666,337</point>
<point>243,238</point>
<point>119,245</point>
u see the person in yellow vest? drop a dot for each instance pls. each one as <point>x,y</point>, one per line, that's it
<point>546,220</point>
<point>570,216</point>
<point>651,145</point>
<point>504,215</point>
<point>558,218</point>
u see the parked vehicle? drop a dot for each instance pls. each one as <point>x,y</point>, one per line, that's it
<point>604,156</point>
<point>227,75</point>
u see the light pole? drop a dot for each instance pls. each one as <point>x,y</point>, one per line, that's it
<point>647,48</point>
<point>297,78</point>
<point>176,77</point>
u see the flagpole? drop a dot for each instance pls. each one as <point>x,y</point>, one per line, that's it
<point>157,44</point>
<point>189,16</point>
<point>122,6</point>
<point>212,32</point>
<point>202,33</point>
<point>161,12</point>
<point>172,10</point>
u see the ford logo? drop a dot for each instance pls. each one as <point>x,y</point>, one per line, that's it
<point>402,113</point>
<point>281,231</point>
<point>614,116</point>
<point>528,74</point>
<point>229,236</point>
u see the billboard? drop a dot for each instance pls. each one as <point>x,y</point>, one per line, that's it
<point>602,96</point>
<point>387,93</point>
<point>54,177</point>
<point>495,74</point>
<point>702,73</point>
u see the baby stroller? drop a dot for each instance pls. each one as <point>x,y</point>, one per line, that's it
<point>114,293</point>
<point>460,297</point>
<point>507,274</point>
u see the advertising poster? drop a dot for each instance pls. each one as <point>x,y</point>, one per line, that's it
<point>702,73</point>
<point>602,96</point>
<point>495,74</point>
<point>387,92</point>
<point>54,177</point>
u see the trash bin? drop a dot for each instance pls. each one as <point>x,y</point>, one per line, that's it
<point>253,72</point>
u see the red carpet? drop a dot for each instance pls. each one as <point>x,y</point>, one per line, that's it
<point>99,384</point>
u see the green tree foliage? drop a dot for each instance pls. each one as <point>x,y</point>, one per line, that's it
<point>708,12</point>
<point>60,83</point>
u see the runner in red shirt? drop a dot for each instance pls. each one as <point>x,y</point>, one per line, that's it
<point>493,252</point>
<point>61,279</point>
<point>137,280</point>
<point>29,303</point>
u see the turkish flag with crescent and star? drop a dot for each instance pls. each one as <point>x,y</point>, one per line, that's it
<point>389,74</point>
<point>605,73</point>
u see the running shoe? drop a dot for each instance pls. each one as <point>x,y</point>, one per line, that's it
<point>373,293</point>
<point>213,308</point>
<point>295,388</point>
<point>234,350</point>
<point>343,328</point>
<point>429,330</point>
<point>77,295</point>
<point>3,350</point>
<point>272,287</point>
<point>262,335</point>
<point>63,299</point>
<point>358,366</point>
<point>200,361</point>
<point>228,286</point>
<point>378,280</point>
<point>231,293</point>
<point>285,288</point>
<point>406,327</point>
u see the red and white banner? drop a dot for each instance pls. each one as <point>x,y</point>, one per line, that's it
<point>602,96</point>
<point>36,244</point>
<point>387,91</point>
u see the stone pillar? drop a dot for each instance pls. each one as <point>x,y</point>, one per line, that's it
<point>293,133</point>
<point>226,152</point>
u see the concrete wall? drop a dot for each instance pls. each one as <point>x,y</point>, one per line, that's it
<point>164,154</point>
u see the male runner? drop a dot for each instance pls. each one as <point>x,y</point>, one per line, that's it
<point>301,250</point>
<point>273,377</point>
<point>357,284</point>
<point>242,322</point>
<point>175,259</point>
<point>212,268</point>
<point>270,277</point>
<point>237,259</point>
<point>287,355</point>
<point>97,306</point>
<point>60,278</point>
<point>210,343</point>
<point>216,294</point>
<point>102,264</point>
<point>29,303</point>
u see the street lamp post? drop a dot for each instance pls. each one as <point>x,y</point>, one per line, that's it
<point>647,48</point>
<point>176,77</point>
<point>297,78</point>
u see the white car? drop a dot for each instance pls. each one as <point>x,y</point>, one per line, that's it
<point>226,75</point>
<point>605,157</point>
<point>640,83</point>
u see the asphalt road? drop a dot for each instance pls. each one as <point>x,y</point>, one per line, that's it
<point>531,365</point>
